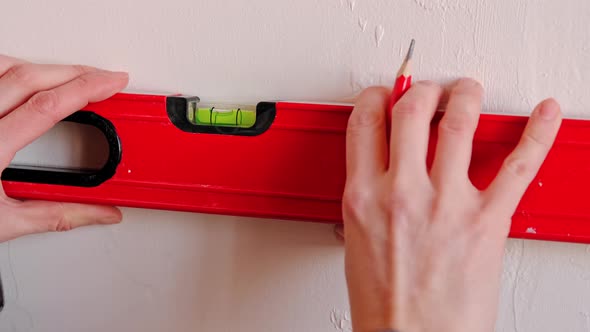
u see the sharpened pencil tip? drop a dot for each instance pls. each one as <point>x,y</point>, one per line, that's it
<point>410,50</point>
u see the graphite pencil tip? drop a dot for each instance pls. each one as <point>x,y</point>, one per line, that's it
<point>410,50</point>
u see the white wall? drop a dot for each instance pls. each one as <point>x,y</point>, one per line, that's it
<point>183,272</point>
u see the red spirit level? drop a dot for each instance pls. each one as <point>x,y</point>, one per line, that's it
<point>283,160</point>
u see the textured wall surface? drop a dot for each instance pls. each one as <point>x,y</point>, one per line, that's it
<point>163,271</point>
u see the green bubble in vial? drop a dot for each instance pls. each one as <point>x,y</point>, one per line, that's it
<point>224,118</point>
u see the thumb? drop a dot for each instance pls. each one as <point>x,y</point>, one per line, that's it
<point>32,217</point>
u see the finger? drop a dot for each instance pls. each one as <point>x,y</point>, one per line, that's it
<point>39,217</point>
<point>366,144</point>
<point>47,108</point>
<point>444,99</point>
<point>23,80</point>
<point>455,133</point>
<point>522,165</point>
<point>7,62</point>
<point>410,126</point>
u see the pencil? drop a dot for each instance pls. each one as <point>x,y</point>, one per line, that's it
<point>403,80</point>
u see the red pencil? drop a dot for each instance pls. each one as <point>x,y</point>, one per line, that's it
<point>403,80</point>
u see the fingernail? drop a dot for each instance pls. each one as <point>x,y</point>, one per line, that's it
<point>467,82</point>
<point>117,74</point>
<point>114,219</point>
<point>121,74</point>
<point>549,110</point>
<point>110,216</point>
<point>114,74</point>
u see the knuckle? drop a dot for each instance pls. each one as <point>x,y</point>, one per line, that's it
<point>398,201</point>
<point>458,123</point>
<point>20,73</point>
<point>81,69</point>
<point>440,210</point>
<point>81,82</point>
<point>365,117</point>
<point>45,103</point>
<point>59,221</point>
<point>356,202</point>
<point>537,140</point>
<point>407,107</point>
<point>398,198</point>
<point>519,167</point>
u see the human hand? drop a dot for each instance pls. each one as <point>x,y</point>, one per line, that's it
<point>34,97</point>
<point>424,248</point>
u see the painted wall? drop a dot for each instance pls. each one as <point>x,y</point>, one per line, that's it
<point>183,272</point>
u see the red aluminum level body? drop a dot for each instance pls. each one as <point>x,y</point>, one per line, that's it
<point>292,168</point>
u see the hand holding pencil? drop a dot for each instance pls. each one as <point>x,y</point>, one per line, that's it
<point>424,247</point>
